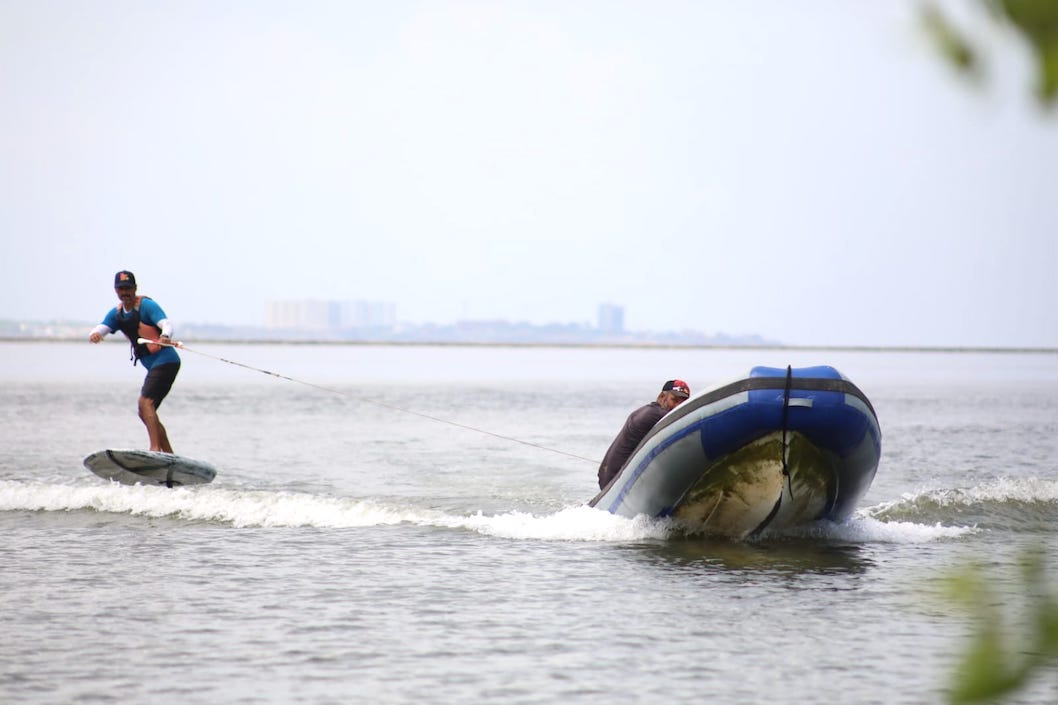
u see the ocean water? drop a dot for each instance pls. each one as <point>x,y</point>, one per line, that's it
<point>407,525</point>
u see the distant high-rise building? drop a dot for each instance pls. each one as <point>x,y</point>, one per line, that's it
<point>367,314</point>
<point>611,318</point>
<point>311,314</point>
<point>304,314</point>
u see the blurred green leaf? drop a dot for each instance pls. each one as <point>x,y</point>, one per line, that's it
<point>999,660</point>
<point>951,43</point>
<point>1035,21</point>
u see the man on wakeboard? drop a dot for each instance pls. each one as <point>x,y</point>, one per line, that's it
<point>637,426</point>
<point>140,317</point>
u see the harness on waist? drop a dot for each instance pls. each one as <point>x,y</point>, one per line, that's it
<point>134,328</point>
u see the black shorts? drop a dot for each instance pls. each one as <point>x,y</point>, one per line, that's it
<point>159,381</point>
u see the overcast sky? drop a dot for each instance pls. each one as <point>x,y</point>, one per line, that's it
<point>810,172</point>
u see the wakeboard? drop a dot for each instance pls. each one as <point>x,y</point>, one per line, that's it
<point>147,467</point>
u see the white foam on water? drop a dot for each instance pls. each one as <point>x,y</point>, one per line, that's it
<point>863,528</point>
<point>1000,501</point>
<point>1031,490</point>
<point>579,523</point>
<point>265,508</point>
<point>262,508</point>
<point>238,508</point>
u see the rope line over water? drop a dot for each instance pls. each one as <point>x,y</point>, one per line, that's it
<point>181,346</point>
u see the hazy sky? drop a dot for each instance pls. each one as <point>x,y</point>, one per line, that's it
<point>810,172</point>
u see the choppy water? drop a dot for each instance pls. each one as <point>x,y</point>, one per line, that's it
<point>350,552</point>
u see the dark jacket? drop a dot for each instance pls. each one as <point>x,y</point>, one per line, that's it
<point>637,426</point>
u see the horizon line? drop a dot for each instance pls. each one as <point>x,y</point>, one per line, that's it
<point>544,344</point>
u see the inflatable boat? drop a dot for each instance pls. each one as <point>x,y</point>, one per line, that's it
<point>776,449</point>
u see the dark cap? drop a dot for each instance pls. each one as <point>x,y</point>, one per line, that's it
<point>124,278</point>
<point>677,387</point>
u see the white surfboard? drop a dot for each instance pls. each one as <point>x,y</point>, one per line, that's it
<point>146,467</point>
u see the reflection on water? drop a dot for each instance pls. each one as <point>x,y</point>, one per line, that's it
<point>776,556</point>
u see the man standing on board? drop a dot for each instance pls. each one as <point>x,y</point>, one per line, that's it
<point>140,317</point>
<point>637,426</point>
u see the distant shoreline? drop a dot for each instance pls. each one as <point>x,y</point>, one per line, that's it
<point>585,345</point>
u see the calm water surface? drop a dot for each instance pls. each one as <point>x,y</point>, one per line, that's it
<point>358,546</point>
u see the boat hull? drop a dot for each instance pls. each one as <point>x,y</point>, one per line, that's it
<point>777,449</point>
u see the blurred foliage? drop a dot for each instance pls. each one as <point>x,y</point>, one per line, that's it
<point>1035,21</point>
<point>999,658</point>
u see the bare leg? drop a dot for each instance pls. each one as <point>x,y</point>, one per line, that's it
<point>165,446</point>
<point>159,439</point>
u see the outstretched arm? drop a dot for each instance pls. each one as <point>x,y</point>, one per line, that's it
<point>98,333</point>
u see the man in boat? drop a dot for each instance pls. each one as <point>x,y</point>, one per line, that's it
<point>637,426</point>
<point>140,317</point>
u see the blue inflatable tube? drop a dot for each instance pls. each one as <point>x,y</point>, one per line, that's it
<point>775,449</point>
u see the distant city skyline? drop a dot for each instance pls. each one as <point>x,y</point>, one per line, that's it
<point>319,313</point>
<point>324,314</point>
<point>471,332</point>
<point>376,321</point>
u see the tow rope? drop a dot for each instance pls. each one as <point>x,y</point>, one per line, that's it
<point>181,346</point>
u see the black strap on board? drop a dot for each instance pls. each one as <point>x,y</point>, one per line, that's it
<point>785,415</point>
<point>782,450</point>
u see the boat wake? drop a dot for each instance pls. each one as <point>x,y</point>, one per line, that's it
<point>272,509</point>
<point>1021,505</point>
<point>1018,505</point>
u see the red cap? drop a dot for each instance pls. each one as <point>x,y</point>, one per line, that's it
<point>677,387</point>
